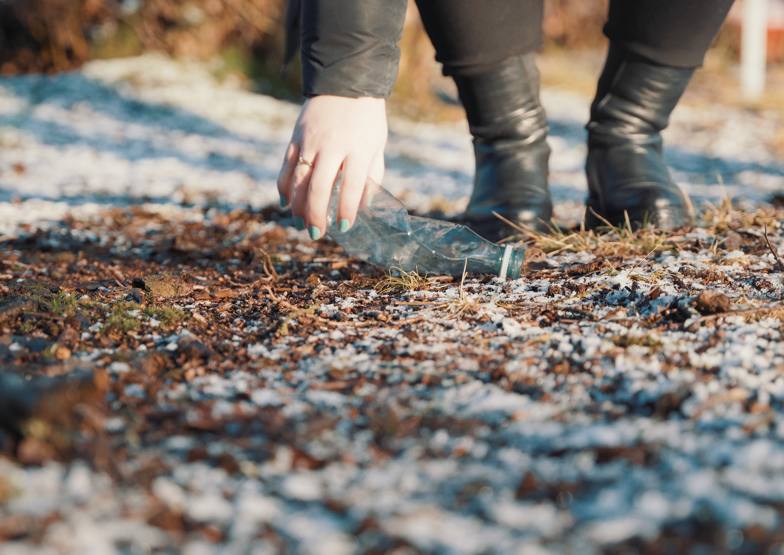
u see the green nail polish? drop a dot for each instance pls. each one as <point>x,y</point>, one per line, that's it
<point>343,225</point>
<point>299,223</point>
<point>315,233</point>
<point>283,202</point>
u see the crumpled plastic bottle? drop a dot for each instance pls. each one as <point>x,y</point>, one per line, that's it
<point>385,235</point>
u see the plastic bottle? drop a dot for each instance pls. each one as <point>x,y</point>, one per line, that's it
<point>385,235</point>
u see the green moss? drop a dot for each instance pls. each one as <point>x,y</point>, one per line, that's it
<point>166,314</point>
<point>123,43</point>
<point>120,323</point>
<point>120,320</point>
<point>627,341</point>
<point>60,303</point>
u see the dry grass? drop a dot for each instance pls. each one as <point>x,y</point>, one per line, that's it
<point>623,241</point>
<point>751,315</point>
<point>464,304</point>
<point>607,242</point>
<point>402,283</point>
<point>725,218</point>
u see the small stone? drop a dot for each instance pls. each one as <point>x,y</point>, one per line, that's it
<point>118,367</point>
<point>170,285</point>
<point>227,463</point>
<point>209,507</point>
<point>135,390</point>
<point>732,242</point>
<point>560,368</point>
<point>534,255</point>
<point>62,353</point>
<point>712,302</point>
<point>302,487</point>
<point>34,452</point>
<point>69,336</point>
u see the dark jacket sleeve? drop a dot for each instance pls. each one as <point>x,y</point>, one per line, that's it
<point>349,47</point>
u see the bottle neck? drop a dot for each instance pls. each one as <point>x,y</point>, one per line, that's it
<point>511,263</point>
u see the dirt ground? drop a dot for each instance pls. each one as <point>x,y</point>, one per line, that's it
<point>184,372</point>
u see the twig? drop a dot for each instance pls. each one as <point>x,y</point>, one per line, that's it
<point>268,266</point>
<point>694,326</point>
<point>537,339</point>
<point>602,218</point>
<point>281,302</point>
<point>730,396</point>
<point>656,246</point>
<point>589,315</point>
<point>510,224</point>
<point>283,330</point>
<point>775,254</point>
<point>349,324</point>
<point>15,263</point>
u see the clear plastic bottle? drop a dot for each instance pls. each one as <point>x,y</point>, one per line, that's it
<point>385,235</point>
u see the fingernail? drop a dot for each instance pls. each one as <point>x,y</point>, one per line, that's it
<point>283,201</point>
<point>343,226</point>
<point>299,223</point>
<point>315,233</point>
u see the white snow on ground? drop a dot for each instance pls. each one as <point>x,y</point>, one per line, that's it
<point>150,130</point>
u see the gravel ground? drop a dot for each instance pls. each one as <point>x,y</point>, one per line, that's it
<point>266,394</point>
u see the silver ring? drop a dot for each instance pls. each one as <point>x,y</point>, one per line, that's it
<point>301,161</point>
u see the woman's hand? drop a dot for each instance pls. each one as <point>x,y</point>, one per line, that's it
<point>333,133</point>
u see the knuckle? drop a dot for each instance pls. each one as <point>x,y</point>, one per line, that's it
<point>301,173</point>
<point>289,154</point>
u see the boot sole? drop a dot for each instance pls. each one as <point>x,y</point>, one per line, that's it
<point>666,219</point>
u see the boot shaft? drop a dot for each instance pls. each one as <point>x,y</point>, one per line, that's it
<point>503,104</point>
<point>634,98</point>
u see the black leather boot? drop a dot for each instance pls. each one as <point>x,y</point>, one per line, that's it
<point>509,129</point>
<point>625,168</point>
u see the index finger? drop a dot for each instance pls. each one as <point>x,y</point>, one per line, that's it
<point>286,175</point>
<point>355,174</point>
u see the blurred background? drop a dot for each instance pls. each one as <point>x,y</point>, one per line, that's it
<point>244,40</point>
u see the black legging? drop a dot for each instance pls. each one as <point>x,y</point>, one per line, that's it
<point>471,36</point>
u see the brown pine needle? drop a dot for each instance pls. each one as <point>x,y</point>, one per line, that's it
<point>779,263</point>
